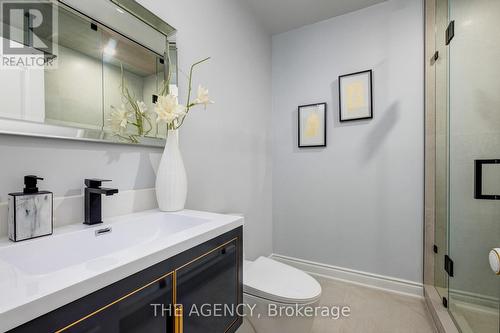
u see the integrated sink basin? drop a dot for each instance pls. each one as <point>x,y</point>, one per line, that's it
<point>41,275</point>
<point>91,245</point>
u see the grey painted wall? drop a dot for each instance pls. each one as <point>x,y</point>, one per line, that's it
<point>358,203</point>
<point>226,148</point>
<point>65,164</point>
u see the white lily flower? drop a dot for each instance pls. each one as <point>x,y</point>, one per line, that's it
<point>119,118</point>
<point>203,97</point>
<point>143,108</point>
<point>168,109</point>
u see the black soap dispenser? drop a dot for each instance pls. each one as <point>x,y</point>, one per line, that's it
<point>31,212</point>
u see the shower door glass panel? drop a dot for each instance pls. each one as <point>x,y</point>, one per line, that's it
<point>441,199</point>
<point>474,133</point>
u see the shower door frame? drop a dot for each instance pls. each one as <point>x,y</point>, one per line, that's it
<point>441,316</point>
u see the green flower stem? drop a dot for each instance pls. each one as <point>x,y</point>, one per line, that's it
<point>169,62</point>
<point>140,123</point>
<point>130,138</point>
<point>190,88</point>
<point>166,84</point>
<point>190,85</point>
<point>139,116</point>
<point>149,124</point>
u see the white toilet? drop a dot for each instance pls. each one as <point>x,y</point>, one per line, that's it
<point>271,284</point>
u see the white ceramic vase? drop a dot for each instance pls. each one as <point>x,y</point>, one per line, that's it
<point>171,179</point>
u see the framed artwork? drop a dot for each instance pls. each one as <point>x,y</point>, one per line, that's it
<point>355,96</point>
<point>312,125</point>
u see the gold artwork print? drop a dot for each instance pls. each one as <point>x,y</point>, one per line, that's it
<point>312,125</point>
<point>355,96</point>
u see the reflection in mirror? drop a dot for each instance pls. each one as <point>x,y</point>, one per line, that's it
<point>132,77</point>
<point>145,15</point>
<point>103,87</point>
<point>73,91</point>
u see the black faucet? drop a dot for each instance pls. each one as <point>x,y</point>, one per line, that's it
<point>93,201</point>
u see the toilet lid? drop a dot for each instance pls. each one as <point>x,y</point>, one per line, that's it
<point>275,281</point>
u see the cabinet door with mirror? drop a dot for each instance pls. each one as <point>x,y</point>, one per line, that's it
<point>101,81</point>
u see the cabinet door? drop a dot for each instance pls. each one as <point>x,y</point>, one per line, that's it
<point>147,309</point>
<point>208,288</point>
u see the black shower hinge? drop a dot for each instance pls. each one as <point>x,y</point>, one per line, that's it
<point>445,302</point>
<point>448,265</point>
<point>450,32</point>
<point>93,26</point>
<point>435,249</point>
<point>434,57</point>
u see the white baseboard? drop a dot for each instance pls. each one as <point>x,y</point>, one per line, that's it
<point>474,299</point>
<point>386,283</point>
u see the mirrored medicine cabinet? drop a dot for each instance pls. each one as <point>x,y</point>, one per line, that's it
<point>107,64</point>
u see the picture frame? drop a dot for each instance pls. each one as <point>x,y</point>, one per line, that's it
<point>356,96</point>
<point>312,125</point>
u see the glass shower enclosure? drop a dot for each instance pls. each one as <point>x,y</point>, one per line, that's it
<point>467,178</point>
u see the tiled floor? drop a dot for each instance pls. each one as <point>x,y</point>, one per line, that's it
<point>472,318</point>
<point>372,310</point>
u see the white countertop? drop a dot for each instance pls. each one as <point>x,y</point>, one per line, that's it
<point>41,275</point>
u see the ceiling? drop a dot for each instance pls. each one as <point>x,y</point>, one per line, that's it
<point>282,15</point>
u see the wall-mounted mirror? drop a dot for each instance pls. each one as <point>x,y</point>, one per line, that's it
<point>100,79</point>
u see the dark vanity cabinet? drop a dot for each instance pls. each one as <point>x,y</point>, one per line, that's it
<point>132,313</point>
<point>206,281</point>
<point>196,291</point>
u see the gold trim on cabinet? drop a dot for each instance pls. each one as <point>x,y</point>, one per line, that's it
<point>113,303</point>
<point>174,296</point>
<point>206,254</point>
<point>174,287</point>
<point>237,273</point>
<point>174,291</point>
<point>231,325</point>
<point>237,283</point>
<point>179,317</point>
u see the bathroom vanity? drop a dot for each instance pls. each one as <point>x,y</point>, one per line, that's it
<point>146,272</point>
